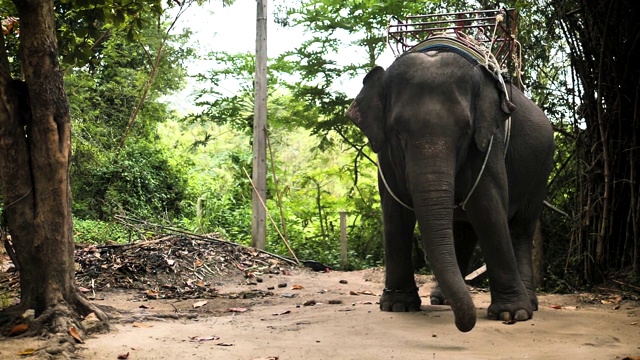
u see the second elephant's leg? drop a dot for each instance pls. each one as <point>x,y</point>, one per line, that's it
<point>465,240</point>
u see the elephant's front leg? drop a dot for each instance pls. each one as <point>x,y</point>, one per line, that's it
<point>401,292</point>
<point>487,212</point>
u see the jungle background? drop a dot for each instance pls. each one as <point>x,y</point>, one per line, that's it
<point>138,156</point>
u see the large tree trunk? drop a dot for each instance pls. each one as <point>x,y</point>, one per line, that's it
<point>35,150</point>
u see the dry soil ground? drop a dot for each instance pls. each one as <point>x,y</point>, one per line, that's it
<point>341,320</point>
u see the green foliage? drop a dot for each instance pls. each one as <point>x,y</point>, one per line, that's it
<point>84,25</point>
<point>138,182</point>
<point>136,179</point>
<point>99,232</point>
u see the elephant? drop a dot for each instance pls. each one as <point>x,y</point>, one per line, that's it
<point>436,120</point>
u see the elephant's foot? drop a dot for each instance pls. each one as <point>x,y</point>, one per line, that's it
<point>505,308</point>
<point>437,296</point>
<point>400,300</point>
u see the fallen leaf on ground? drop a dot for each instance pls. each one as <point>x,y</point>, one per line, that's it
<point>297,287</point>
<point>634,323</point>
<point>74,333</point>
<point>362,303</point>
<point>143,306</point>
<point>612,300</point>
<point>203,338</point>
<point>366,292</point>
<point>152,294</point>
<point>141,325</point>
<point>26,352</point>
<point>199,304</point>
<point>224,344</point>
<point>18,329</point>
<point>282,313</point>
<point>557,307</point>
<point>123,356</point>
<point>268,358</point>
<point>309,303</point>
<point>83,289</point>
<point>198,263</point>
<point>238,309</point>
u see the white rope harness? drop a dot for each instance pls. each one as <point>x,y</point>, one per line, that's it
<point>393,195</point>
<point>462,204</point>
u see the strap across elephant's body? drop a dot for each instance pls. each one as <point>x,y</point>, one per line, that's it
<point>476,54</point>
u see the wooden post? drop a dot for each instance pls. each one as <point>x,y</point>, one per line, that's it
<point>259,223</point>
<point>343,239</point>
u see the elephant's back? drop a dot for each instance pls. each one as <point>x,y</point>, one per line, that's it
<point>530,154</point>
<point>431,66</point>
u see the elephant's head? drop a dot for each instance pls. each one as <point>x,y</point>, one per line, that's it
<point>431,107</point>
<point>366,110</point>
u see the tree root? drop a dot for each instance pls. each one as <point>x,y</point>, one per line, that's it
<point>63,325</point>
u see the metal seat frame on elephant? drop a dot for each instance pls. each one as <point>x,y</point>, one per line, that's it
<point>487,37</point>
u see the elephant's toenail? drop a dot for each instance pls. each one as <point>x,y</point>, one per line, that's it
<point>505,316</point>
<point>522,315</point>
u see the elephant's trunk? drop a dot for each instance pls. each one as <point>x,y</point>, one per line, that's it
<point>431,178</point>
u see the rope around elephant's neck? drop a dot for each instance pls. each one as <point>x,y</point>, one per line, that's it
<point>473,188</point>
<point>462,205</point>
<point>386,185</point>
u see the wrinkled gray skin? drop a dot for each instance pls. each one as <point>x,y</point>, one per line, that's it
<point>430,118</point>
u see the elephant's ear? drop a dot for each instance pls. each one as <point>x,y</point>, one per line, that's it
<point>366,110</point>
<point>492,109</point>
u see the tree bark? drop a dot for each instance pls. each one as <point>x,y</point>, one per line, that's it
<point>259,222</point>
<point>35,150</point>
<point>538,256</point>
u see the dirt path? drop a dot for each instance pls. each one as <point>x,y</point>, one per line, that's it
<point>280,326</point>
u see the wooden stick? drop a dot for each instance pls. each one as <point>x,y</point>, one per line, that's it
<point>271,218</point>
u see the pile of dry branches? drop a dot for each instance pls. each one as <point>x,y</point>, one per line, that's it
<point>172,266</point>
